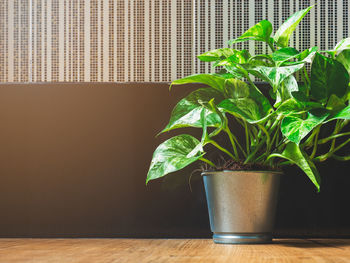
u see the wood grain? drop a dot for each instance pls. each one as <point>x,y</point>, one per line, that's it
<point>171,250</point>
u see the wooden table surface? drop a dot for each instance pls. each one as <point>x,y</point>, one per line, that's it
<point>171,250</point>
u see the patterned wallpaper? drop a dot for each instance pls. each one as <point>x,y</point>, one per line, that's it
<point>142,40</point>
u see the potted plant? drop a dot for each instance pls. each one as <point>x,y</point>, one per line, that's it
<point>289,123</point>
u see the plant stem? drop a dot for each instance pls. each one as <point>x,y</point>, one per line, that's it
<point>282,142</point>
<point>268,124</point>
<point>308,142</point>
<point>208,162</point>
<point>336,130</point>
<point>230,135</point>
<point>222,149</point>
<point>234,141</point>
<point>257,148</point>
<point>271,46</point>
<point>344,122</point>
<point>341,145</point>
<point>268,138</point>
<point>247,137</point>
<point>325,140</point>
<point>260,157</point>
<point>278,138</point>
<point>324,157</point>
<point>239,121</point>
<point>306,75</point>
<point>315,143</point>
<point>341,158</point>
<point>261,143</point>
<point>278,119</point>
<point>255,133</point>
<point>275,136</point>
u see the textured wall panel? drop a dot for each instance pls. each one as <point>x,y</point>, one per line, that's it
<point>143,40</point>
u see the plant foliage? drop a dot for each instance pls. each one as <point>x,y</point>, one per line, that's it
<point>285,127</point>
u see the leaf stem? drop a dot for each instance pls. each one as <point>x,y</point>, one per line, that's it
<point>268,138</point>
<point>239,121</point>
<point>208,162</point>
<point>309,140</point>
<point>278,138</point>
<point>222,149</point>
<point>344,122</point>
<point>306,75</point>
<point>324,157</point>
<point>325,140</point>
<point>271,46</point>
<point>341,158</point>
<point>261,143</point>
<point>234,141</point>
<point>278,119</point>
<point>247,137</point>
<point>275,137</point>
<point>315,143</point>
<point>257,148</point>
<point>336,129</point>
<point>255,134</point>
<point>341,145</point>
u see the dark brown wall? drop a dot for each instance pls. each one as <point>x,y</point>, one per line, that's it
<point>74,157</point>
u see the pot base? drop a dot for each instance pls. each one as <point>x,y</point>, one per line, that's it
<point>242,238</point>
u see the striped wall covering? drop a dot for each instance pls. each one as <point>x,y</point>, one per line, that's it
<point>142,40</point>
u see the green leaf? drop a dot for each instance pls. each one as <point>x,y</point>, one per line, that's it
<point>308,54</point>
<point>301,94</point>
<point>234,64</point>
<point>293,153</point>
<point>290,106</point>
<point>328,77</point>
<point>259,32</point>
<point>238,57</point>
<point>287,28</point>
<point>344,58</point>
<point>172,155</point>
<point>238,73</point>
<point>344,44</point>
<point>343,114</point>
<point>224,74</point>
<point>205,136</point>
<point>187,113</point>
<point>295,128</point>
<point>293,106</point>
<point>285,90</point>
<point>216,54</point>
<point>245,101</point>
<point>236,89</point>
<point>304,57</point>
<point>245,108</point>
<point>284,54</point>
<point>212,80</point>
<point>260,57</point>
<point>335,104</point>
<point>275,75</point>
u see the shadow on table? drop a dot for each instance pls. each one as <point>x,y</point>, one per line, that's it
<point>313,243</point>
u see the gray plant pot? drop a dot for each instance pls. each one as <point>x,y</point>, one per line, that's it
<point>241,205</point>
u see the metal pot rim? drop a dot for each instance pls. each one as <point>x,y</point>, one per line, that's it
<point>207,173</point>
